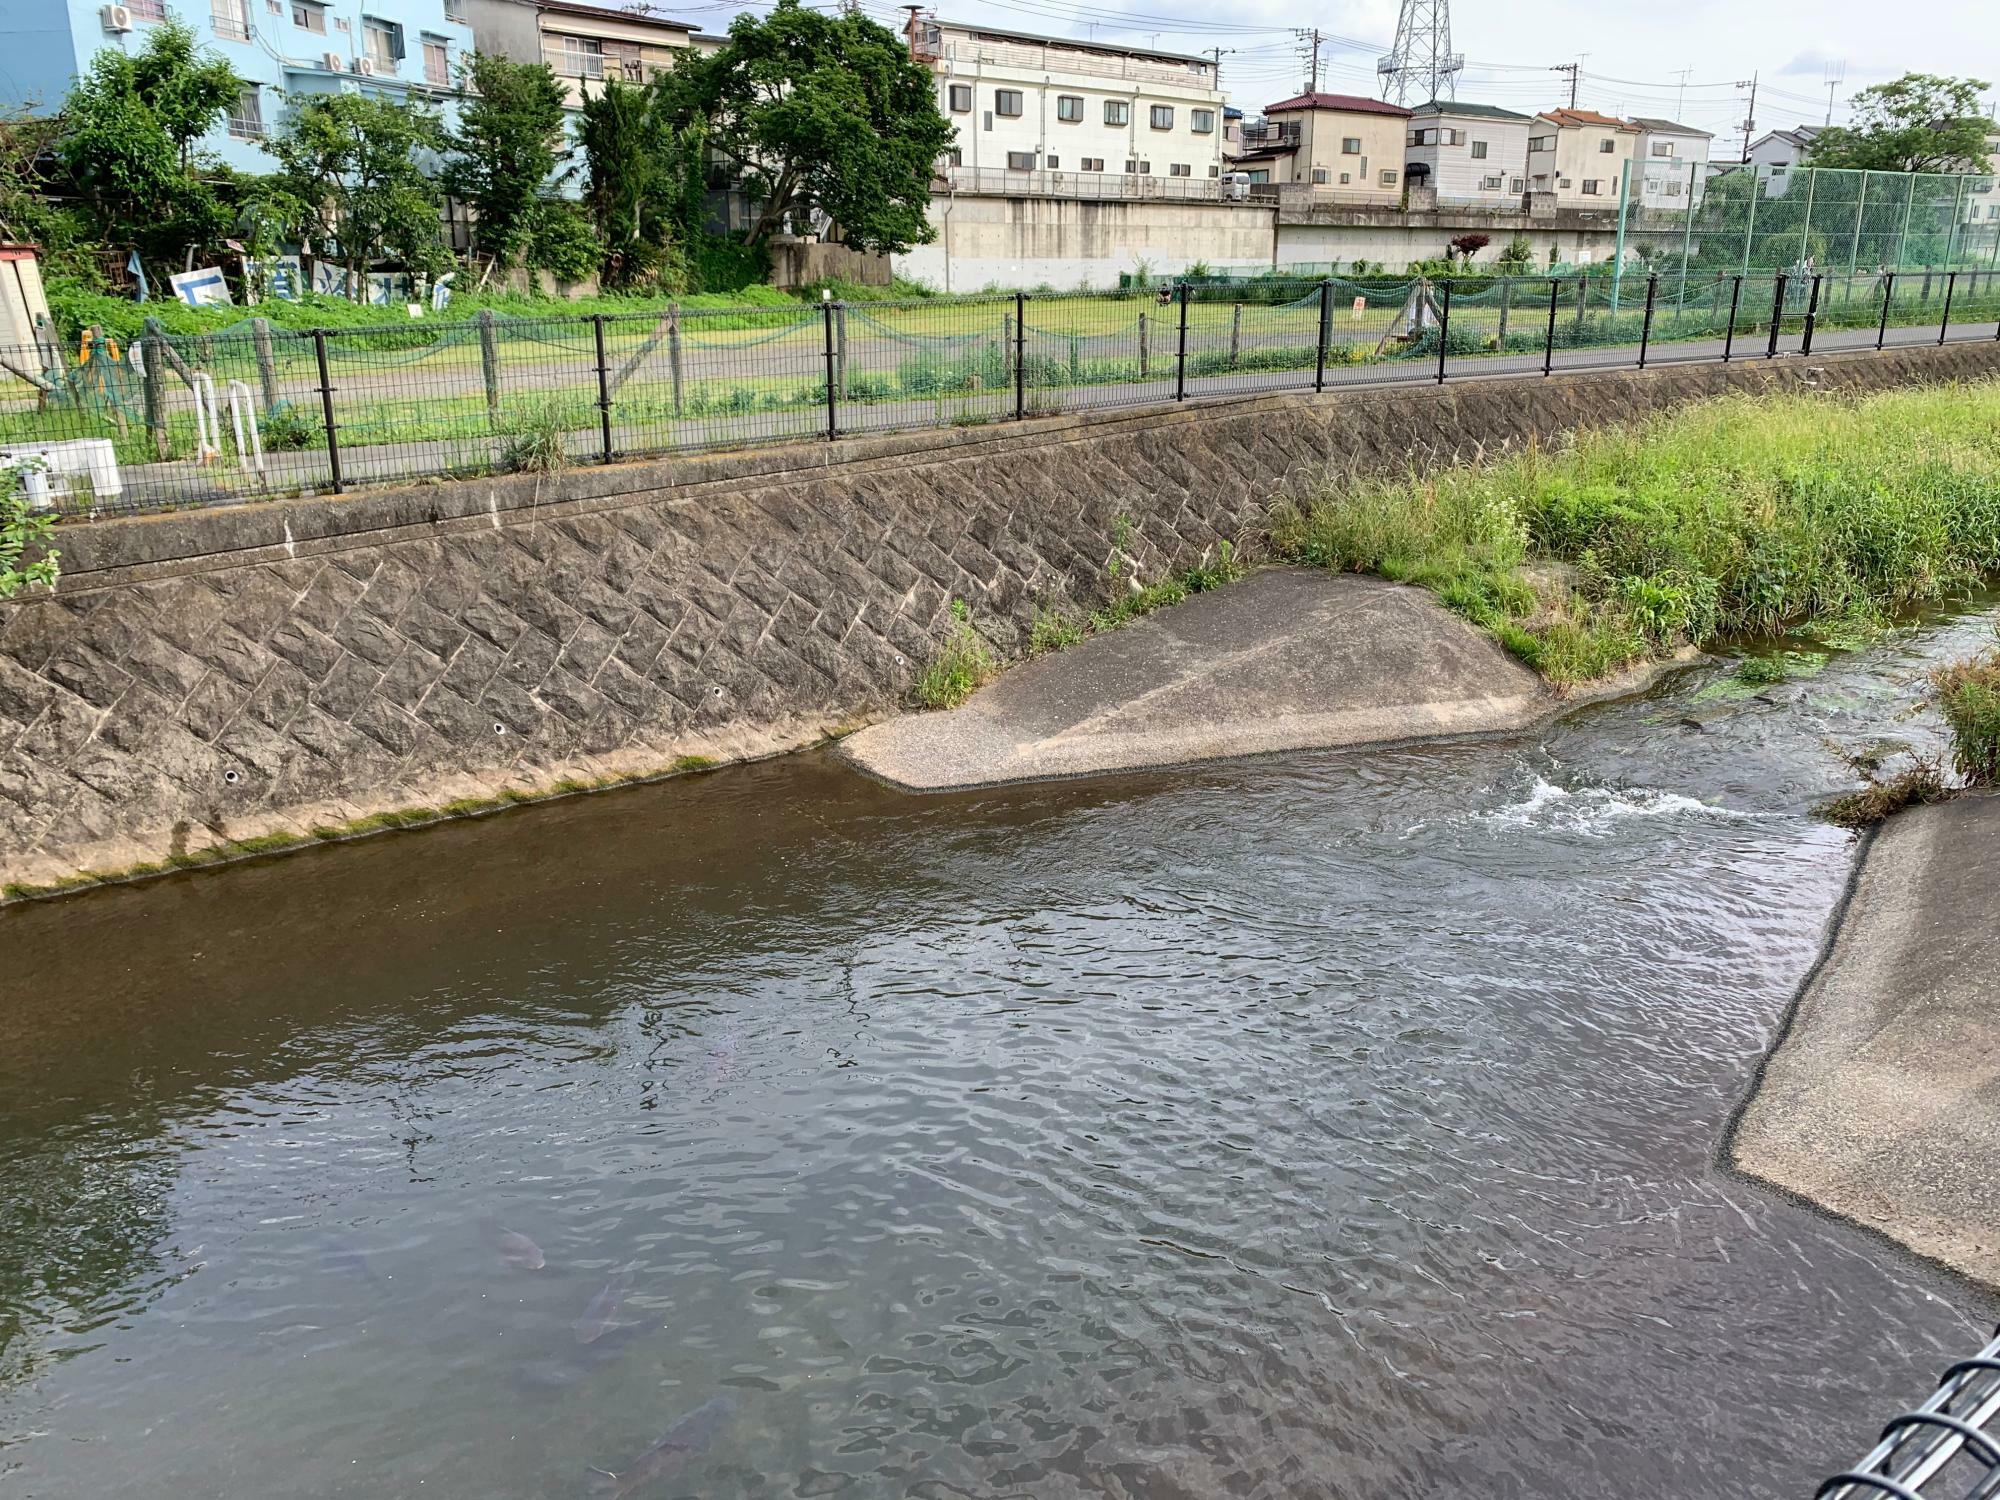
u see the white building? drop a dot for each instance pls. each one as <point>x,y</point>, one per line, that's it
<point>1781,152</point>
<point>1579,156</point>
<point>1468,153</point>
<point>1047,115</point>
<point>1671,165</point>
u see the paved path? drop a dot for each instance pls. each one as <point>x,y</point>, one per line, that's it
<point>1882,1100</point>
<point>1287,659</point>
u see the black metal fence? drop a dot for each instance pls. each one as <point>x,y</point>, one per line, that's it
<point>1946,1449</point>
<point>257,411</point>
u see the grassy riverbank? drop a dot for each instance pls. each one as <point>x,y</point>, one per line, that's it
<point>1736,516</point>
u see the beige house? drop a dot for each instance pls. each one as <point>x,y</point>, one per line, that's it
<point>1340,144</point>
<point>585,44</point>
<point>1580,156</point>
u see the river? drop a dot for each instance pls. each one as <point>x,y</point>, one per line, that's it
<point>1327,1124</point>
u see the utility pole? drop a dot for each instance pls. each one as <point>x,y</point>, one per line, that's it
<point>1836,74</point>
<point>1573,69</point>
<point>1218,53</point>
<point>1750,115</point>
<point>1312,66</point>
<point>1681,99</point>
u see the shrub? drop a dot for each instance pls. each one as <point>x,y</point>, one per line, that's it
<point>1919,784</point>
<point>959,665</point>
<point>539,443</point>
<point>22,530</point>
<point>1968,694</point>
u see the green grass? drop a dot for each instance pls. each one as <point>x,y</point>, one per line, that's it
<point>1968,695</point>
<point>1737,516</point>
<point>1913,787</point>
<point>960,664</point>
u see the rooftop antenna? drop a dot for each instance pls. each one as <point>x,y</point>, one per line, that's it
<point>1422,67</point>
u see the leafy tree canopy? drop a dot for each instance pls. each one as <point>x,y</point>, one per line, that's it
<point>1917,123</point>
<point>358,169</point>
<point>506,150</point>
<point>823,114</point>
<point>643,184</point>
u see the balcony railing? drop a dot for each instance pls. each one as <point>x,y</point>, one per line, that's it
<point>1056,59</point>
<point>998,182</point>
<point>230,21</point>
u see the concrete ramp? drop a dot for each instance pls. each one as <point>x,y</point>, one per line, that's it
<point>1287,659</point>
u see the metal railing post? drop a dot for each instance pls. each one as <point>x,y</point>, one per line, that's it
<point>1888,296</point>
<point>1812,317</point>
<point>1549,343</point>
<point>1444,326</point>
<point>1020,355</point>
<point>832,393</point>
<point>1180,355</point>
<point>326,411</point>
<point>1777,316</point>
<point>1735,297</point>
<point>1325,315</point>
<point>1646,327</point>
<point>1944,325</point>
<point>603,388</point>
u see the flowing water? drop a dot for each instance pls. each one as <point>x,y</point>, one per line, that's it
<point>1327,1124</point>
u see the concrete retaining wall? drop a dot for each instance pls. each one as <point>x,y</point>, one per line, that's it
<point>210,676</point>
<point>1068,243</point>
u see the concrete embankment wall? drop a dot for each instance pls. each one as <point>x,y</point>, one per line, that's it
<point>217,675</point>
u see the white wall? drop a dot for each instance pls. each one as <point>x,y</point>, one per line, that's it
<point>1066,243</point>
<point>1457,174</point>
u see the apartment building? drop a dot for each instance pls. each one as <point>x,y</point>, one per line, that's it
<point>1579,156</point>
<point>1473,154</point>
<point>279,48</point>
<point>1110,120</point>
<point>1672,165</point>
<point>1781,153</point>
<point>1344,145</point>
<point>584,44</point>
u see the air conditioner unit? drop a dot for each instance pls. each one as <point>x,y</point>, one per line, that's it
<point>117,18</point>
<point>365,66</point>
<point>333,62</point>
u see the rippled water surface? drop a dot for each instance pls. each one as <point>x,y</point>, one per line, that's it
<point>1325,1124</point>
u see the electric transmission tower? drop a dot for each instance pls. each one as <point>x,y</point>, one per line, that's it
<point>1423,66</point>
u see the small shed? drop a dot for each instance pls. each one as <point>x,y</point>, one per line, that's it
<point>24,307</point>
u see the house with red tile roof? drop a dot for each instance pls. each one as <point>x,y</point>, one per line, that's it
<point>1343,144</point>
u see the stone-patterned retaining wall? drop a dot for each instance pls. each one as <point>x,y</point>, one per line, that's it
<point>212,676</point>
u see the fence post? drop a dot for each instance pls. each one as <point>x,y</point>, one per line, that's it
<point>1944,325</point>
<point>1549,344</point>
<point>1235,332</point>
<point>326,411</point>
<point>832,397</point>
<point>267,364</point>
<point>1646,327</point>
<point>1180,356</point>
<point>1777,316</point>
<point>674,351</point>
<point>603,387</point>
<point>1888,296</point>
<point>155,341</point>
<point>1582,299</point>
<point>1020,355</point>
<point>1144,361</point>
<point>840,346</point>
<point>1812,317</point>
<point>1325,317</point>
<point>1506,300</point>
<point>489,361</point>
<point>1444,326</point>
<point>1735,299</point>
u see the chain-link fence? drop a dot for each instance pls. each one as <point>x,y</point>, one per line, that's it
<point>260,412</point>
<point>1946,1449</point>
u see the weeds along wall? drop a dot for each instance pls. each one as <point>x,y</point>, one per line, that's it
<point>259,673</point>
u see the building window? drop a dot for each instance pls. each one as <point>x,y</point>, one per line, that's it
<point>246,117</point>
<point>1541,143</point>
<point>1479,151</point>
<point>1319,174</point>
<point>1351,146</point>
<point>955,157</point>
<point>1606,146</point>
<point>1490,184</point>
<point>1139,168</point>
<point>1069,108</point>
<point>1052,162</point>
<point>1674,188</point>
<point>1454,138</point>
<point>1563,183</point>
<point>1663,148</point>
<point>1778,171</point>
<point>1201,121</point>
<point>1163,117</point>
<point>454,10</point>
<point>1093,164</point>
<point>1117,112</point>
<point>1518,185</point>
<point>1020,161</point>
<point>1388,177</point>
<point>231,18</point>
<point>1261,174</point>
<point>1590,186</point>
<point>1180,169</point>
<point>148,10</point>
<point>1346,178</point>
<point>961,98</point>
<point>310,16</point>
<point>382,44</point>
<point>437,62</point>
<point>1007,103</point>
<point>1216,171</point>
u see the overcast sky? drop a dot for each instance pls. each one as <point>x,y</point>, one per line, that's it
<point>1636,53</point>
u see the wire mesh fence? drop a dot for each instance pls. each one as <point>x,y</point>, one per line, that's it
<point>1946,1449</point>
<point>260,412</point>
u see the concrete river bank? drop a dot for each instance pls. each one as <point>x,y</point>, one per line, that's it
<point>1326,1123</point>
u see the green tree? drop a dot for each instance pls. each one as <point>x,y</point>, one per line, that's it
<point>643,186</point>
<point>357,167</point>
<point>127,144</point>
<point>1917,123</point>
<point>825,114</point>
<point>23,530</point>
<point>506,149</point>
